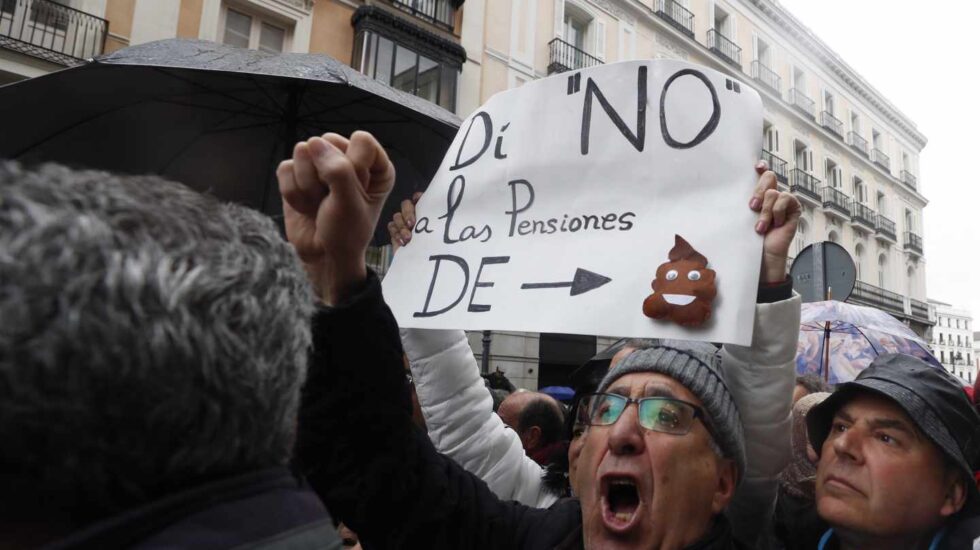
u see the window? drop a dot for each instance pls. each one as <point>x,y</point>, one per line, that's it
<point>881,204</point>
<point>833,237</point>
<point>957,326</point>
<point>909,221</point>
<point>828,102</point>
<point>860,191</point>
<point>763,53</point>
<point>803,156</point>
<point>876,139</point>
<point>855,123</point>
<point>405,69</point>
<point>942,356</point>
<point>882,270</point>
<point>247,31</point>
<point>801,236</point>
<point>859,261</point>
<point>723,23</point>
<point>770,137</point>
<point>832,174</point>
<point>799,80</point>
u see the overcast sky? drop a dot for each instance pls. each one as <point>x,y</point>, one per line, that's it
<point>924,57</point>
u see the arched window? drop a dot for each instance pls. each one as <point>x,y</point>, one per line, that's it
<point>882,269</point>
<point>833,236</point>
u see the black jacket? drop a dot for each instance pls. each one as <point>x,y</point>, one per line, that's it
<point>380,475</point>
<point>267,509</point>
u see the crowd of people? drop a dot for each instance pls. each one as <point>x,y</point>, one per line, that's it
<point>174,374</point>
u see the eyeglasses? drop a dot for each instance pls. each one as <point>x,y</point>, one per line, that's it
<point>659,414</point>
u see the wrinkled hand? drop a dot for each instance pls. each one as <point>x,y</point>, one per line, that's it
<point>401,224</point>
<point>779,214</point>
<point>332,193</point>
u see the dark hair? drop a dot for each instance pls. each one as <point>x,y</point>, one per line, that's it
<point>813,383</point>
<point>545,414</point>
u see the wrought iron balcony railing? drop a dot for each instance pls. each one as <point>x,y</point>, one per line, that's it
<point>881,159</point>
<point>862,214</point>
<point>767,76</point>
<point>676,15</point>
<point>913,243</point>
<point>804,185</point>
<point>885,227</point>
<point>908,179</point>
<point>834,199</point>
<point>832,123</point>
<point>857,142</point>
<point>920,310</point>
<point>776,164</point>
<point>874,296</point>
<point>440,13</point>
<point>802,102</point>
<point>51,31</point>
<point>725,48</point>
<point>565,57</point>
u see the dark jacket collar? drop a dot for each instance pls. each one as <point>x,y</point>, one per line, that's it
<point>718,538</point>
<point>226,513</point>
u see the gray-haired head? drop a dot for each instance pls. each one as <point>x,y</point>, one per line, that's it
<point>151,338</point>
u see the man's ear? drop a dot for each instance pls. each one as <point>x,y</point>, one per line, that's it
<point>531,438</point>
<point>956,491</point>
<point>727,480</point>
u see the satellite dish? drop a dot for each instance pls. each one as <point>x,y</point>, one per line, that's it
<point>823,271</point>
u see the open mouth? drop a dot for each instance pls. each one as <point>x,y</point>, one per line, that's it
<point>620,503</point>
<point>678,299</point>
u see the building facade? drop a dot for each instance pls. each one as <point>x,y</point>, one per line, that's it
<point>850,155</point>
<point>953,341</point>
<point>411,45</point>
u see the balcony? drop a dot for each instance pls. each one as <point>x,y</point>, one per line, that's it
<point>861,215</point>
<point>676,16</point>
<point>799,100</point>
<point>725,48</point>
<point>885,229</point>
<point>51,31</point>
<point>835,203</point>
<point>830,122</point>
<point>908,178</point>
<point>877,297</point>
<point>913,243</point>
<point>857,143</point>
<point>767,77</point>
<point>440,13</point>
<point>920,310</point>
<point>805,186</point>
<point>565,57</point>
<point>776,164</point>
<point>881,159</point>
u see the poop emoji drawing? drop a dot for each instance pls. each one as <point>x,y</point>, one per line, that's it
<point>684,289</point>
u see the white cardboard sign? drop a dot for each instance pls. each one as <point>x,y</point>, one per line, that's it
<point>559,201</point>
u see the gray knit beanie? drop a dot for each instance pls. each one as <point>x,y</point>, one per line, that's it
<point>697,366</point>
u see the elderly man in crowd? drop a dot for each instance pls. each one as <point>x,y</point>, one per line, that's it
<point>538,421</point>
<point>153,342</point>
<point>898,449</point>
<point>657,475</point>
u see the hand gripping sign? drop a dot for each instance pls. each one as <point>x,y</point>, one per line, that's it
<point>610,201</point>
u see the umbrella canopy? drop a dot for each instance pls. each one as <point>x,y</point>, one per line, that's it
<point>560,393</point>
<point>216,118</point>
<point>855,335</point>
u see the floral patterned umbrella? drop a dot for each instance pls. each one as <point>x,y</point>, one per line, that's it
<point>855,335</point>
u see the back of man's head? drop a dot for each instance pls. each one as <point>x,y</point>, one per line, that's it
<point>544,413</point>
<point>151,339</point>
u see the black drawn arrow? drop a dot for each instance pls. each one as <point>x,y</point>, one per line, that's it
<point>582,282</point>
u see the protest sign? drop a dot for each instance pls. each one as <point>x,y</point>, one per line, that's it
<point>612,200</point>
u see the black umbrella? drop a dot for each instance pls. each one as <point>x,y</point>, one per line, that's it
<point>216,118</point>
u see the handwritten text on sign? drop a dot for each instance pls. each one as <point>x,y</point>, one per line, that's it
<point>558,201</point>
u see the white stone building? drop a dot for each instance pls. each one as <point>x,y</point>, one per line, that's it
<point>953,341</point>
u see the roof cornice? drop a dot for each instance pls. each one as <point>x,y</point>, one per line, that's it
<point>787,22</point>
